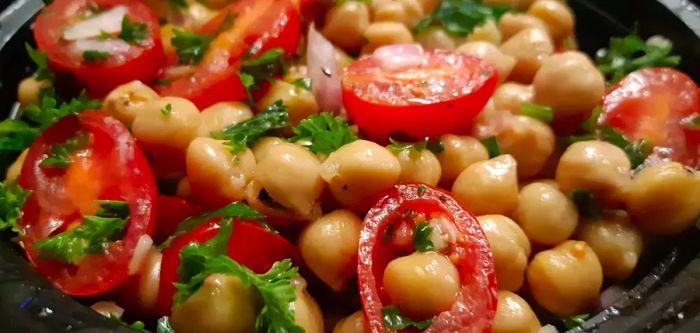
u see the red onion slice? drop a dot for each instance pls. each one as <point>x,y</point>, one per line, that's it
<point>324,73</point>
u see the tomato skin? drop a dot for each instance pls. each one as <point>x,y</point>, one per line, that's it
<point>653,104</point>
<point>120,172</point>
<point>475,305</point>
<point>380,113</point>
<point>171,212</point>
<point>250,245</point>
<point>100,77</point>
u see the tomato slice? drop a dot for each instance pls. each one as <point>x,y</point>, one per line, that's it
<point>654,104</point>
<point>250,244</point>
<point>259,25</point>
<point>475,305</point>
<point>124,61</point>
<point>403,91</point>
<point>114,168</point>
<point>171,211</point>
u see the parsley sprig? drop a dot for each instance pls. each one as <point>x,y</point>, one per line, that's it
<point>397,147</point>
<point>630,53</point>
<point>421,237</point>
<point>59,154</point>
<point>323,133</point>
<point>263,68</point>
<point>12,198</point>
<point>395,320</point>
<point>240,136</point>
<point>460,17</point>
<point>575,321</point>
<point>586,203</point>
<point>133,32</point>
<point>41,59</point>
<point>189,46</point>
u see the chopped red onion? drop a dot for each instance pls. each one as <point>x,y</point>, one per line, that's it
<point>324,73</point>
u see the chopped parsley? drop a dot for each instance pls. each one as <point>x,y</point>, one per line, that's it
<point>163,326</point>
<point>323,133</point>
<point>303,82</point>
<point>537,111</point>
<point>178,4</point>
<point>41,59</point>
<point>59,154</point>
<point>492,146</point>
<point>239,136</point>
<point>421,189</point>
<point>93,56</point>
<point>630,53</point>
<point>133,32</point>
<point>586,204</point>
<point>112,208</point>
<point>421,237</point>
<point>434,146</point>
<point>265,67</point>
<point>460,17</point>
<point>16,135</point>
<point>190,47</point>
<point>12,198</point>
<point>575,321</point>
<point>394,320</point>
<point>167,109</point>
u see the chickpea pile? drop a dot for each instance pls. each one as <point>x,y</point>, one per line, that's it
<point>545,250</point>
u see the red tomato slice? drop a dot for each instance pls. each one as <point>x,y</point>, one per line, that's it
<point>171,211</point>
<point>115,169</point>
<point>475,305</point>
<point>424,94</point>
<point>653,104</point>
<point>259,25</point>
<point>126,61</point>
<point>250,244</point>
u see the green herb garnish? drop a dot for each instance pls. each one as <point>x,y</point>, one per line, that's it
<point>537,111</point>
<point>132,32</point>
<point>239,136</point>
<point>492,146</point>
<point>190,47</point>
<point>323,133</point>
<point>460,17</point>
<point>167,109</point>
<point>59,154</point>
<point>303,82</point>
<point>264,68</point>
<point>395,320</point>
<point>92,55</point>
<point>575,321</point>
<point>41,59</point>
<point>586,203</point>
<point>630,53</point>
<point>421,237</point>
<point>12,198</point>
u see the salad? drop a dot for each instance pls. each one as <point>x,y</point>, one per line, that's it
<point>233,166</point>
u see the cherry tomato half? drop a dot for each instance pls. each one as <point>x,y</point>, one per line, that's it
<point>112,168</point>
<point>654,104</point>
<point>58,32</point>
<point>402,90</point>
<point>171,211</point>
<point>475,305</point>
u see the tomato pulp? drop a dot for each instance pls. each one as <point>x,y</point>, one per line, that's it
<point>475,305</point>
<point>112,168</point>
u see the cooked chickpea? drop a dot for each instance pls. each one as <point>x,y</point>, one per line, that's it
<point>16,167</point>
<point>346,23</point>
<point>512,23</point>
<point>419,167</point>
<point>357,172</point>
<point>290,174</point>
<point>386,33</point>
<point>460,152</point>
<point>307,314</point>
<point>422,284</point>
<point>214,173</point>
<point>299,101</point>
<point>329,247</point>
<point>529,47</point>
<point>435,38</point>
<point>557,15</point>
<point>220,115</point>
<point>515,4</point>
<point>491,54</point>
<point>514,315</point>
<point>510,95</point>
<point>566,279</point>
<point>596,166</point>
<point>568,82</point>
<point>175,129</point>
<point>29,90</point>
<point>616,242</point>
<point>510,248</point>
<point>663,198</point>
<point>209,308</point>
<point>128,100</point>
<point>354,323</point>
<point>263,146</point>
<point>408,12</point>
<point>488,187</point>
<point>486,32</point>
<point>546,215</point>
<point>529,140</point>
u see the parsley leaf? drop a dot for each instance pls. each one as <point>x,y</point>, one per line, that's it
<point>92,55</point>
<point>537,111</point>
<point>323,133</point>
<point>630,53</point>
<point>460,17</point>
<point>59,154</point>
<point>112,208</point>
<point>421,189</point>
<point>262,68</point>
<point>239,136</point>
<point>49,112</point>
<point>397,147</point>
<point>395,320</point>
<point>16,135</point>
<point>248,82</point>
<point>178,4</point>
<point>586,204</point>
<point>492,146</point>
<point>12,198</point>
<point>421,237</point>
<point>190,47</point>
<point>303,82</point>
<point>163,326</point>
<point>41,59</point>
<point>132,32</point>
<point>637,152</point>
<point>167,109</point>
<point>575,321</point>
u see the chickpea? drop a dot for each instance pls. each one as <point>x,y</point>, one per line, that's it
<point>408,12</point>
<point>568,82</point>
<point>419,167</point>
<point>491,54</point>
<point>460,152</point>
<point>354,323</point>
<point>596,166</point>
<point>220,115</point>
<point>512,23</point>
<point>515,4</point>
<point>546,215</point>
<point>566,279</point>
<point>386,33</point>
<point>616,242</point>
<point>422,284</point>
<point>486,32</point>
<point>214,173</point>
<point>329,247</point>
<point>29,90</point>
<point>175,129</point>
<point>209,308</point>
<point>263,146</point>
<point>663,198</point>
<point>510,95</point>
<point>529,141</point>
<point>529,47</point>
<point>290,174</point>
<point>435,38</point>
<point>128,100</point>
<point>510,248</point>
<point>16,167</point>
<point>488,187</point>
<point>557,15</point>
<point>345,25</point>
<point>514,315</point>
<point>299,101</point>
<point>357,172</point>
<point>307,314</point>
